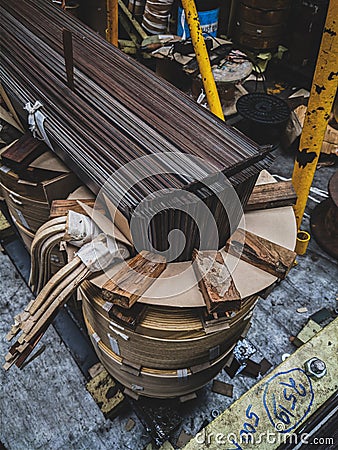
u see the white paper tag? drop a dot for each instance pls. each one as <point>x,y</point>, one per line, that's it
<point>96,337</point>
<point>114,344</point>
<point>182,373</point>
<point>22,219</point>
<point>107,306</point>
<point>5,169</point>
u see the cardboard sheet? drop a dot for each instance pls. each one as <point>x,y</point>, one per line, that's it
<point>120,220</point>
<point>49,161</point>
<point>81,193</point>
<point>104,223</point>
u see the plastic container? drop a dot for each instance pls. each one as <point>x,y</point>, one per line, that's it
<point>208,13</point>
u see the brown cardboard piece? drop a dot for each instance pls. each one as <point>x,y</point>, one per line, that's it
<point>49,161</point>
<point>105,224</point>
<point>120,220</point>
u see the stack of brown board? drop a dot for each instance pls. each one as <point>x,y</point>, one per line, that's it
<point>22,152</point>
<point>130,113</point>
<point>261,24</point>
<point>174,354</point>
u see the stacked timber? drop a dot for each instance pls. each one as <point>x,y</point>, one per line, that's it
<point>172,345</point>
<point>161,351</point>
<point>31,177</point>
<point>161,329</point>
<point>104,111</point>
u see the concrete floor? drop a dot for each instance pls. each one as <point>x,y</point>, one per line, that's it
<point>46,406</point>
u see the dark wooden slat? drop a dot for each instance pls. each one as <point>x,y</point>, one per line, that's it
<point>24,151</point>
<point>271,195</point>
<point>222,388</point>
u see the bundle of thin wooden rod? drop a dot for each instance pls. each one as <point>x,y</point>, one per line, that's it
<point>116,111</point>
<point>40,312</point>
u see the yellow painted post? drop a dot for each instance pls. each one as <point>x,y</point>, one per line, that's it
<point>202,58</point>
<point>323,91</point>
<point>112,22</point>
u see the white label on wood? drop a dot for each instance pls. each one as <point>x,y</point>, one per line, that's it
<point>182,373</point>
<point>107,306</point>
<point>114,344</point>
<point>96,337</point>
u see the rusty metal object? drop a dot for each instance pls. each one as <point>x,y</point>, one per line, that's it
<point>267,4</point>
<point>260,24</point>
<point>324,220</point>
<point>260,16</point>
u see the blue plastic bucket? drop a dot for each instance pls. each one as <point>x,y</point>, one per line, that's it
<point>208,21</point>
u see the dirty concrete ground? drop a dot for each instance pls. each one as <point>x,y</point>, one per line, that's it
<point>46,406</point>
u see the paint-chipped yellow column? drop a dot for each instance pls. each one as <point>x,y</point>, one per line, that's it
<point>202,58</point>
<point>323,91</point>
<point>112,22</point>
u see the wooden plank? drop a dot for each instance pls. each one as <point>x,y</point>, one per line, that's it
<point>132,281</point>
<point>215,282</point>
<point>128,317</point>
<point>261,253</point>
<point>277,405</point>
<point>24,151</point>
<point>222,388</point>
<point>106,394</point>
<point>61,207</point>
<point>271,195</point>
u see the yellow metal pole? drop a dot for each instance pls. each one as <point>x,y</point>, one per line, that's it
<point>202,58</point>
<point>323,91</point>
<point>112,22</point>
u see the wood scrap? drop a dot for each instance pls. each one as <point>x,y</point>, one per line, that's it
<point>271,195</point>
<point>128,317</point>
<point>261,253</point>
<point>183,439</point>
<point>222,388</point>
<point>265,366</point>
<point>215,282</point>
<point>129,425</point>
<point>132,281</point>
<point>22,152</point>
<point>106,394</point>
<point>251,369</point>
<point>61,207</point>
